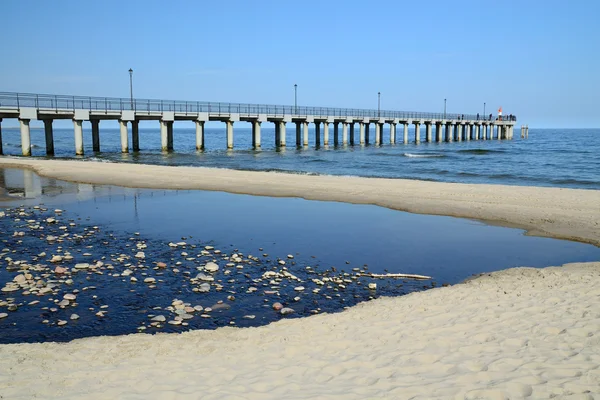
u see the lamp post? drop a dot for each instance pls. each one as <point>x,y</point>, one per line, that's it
<point>295,98</point>
<point>444,108</point>
<point>131,87</point>
<point>378,104</point>
<point>484,110</point>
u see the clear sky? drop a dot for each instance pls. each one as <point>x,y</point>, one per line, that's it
<point>537,59</point>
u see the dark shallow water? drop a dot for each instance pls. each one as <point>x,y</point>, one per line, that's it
<point>318,234</point>
<point>550,157</point>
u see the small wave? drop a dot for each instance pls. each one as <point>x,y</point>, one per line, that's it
<point>35,146</point>
<point>410,155</point>
<point>480,151</point>
<point>96,159</point>
<point>285,171</point>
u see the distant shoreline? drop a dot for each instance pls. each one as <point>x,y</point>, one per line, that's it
<point>571,214</point>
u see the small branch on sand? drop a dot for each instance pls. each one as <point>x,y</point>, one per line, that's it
<point>402,276</point>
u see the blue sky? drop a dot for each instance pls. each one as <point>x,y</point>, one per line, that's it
<point>536,59</point>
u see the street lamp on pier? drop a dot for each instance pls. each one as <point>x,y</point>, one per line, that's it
<point>131,86</point>
<point>295,98</point>
<point>378,104</point>
<point>444,108</point>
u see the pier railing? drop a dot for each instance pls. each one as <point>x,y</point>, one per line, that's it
<point>114,104</point>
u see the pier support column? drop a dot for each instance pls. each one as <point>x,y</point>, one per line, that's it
<point>256,134</point>
<point>468,132</point>
<point>361,126</point>
<point>477,131</point>
<point>25,137</point>
<point>78,128</point>
<point>352,134</point>
<point>229,131</point>
<point>282,134</point>
<point>459,129</point>
<point>367,128</point>
<point>344,134</point>
<point>405,138</point>
<point>1,149</point>
<point>438,132</point>
<point>95,134</point>
<point>417,132</point>
<point>124,136</point>
<point>449,132</point>
<point>49,137</point>
<point>200,135</point>
<point>336,128</point>
<point>305,133</point>
<point>135,135</point>
<point>326,133</point>
<point>164,141</point>
<point>501,130</point>
<point>298,134</point>
<point>377,133</point>
<point>392,133</point>
<point>317,133</point>
<point>428,132</point>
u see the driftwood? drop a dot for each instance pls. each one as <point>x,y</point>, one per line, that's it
<point>401,276</point>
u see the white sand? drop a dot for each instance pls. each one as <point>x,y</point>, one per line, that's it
<point>572,214</point>
<point>519,333</point>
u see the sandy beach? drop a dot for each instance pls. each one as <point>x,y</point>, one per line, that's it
<point>572,214</point>
<point>514,334</point>
<point>521,333</point>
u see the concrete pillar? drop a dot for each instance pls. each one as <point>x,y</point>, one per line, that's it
<point>164,142</point>
<point>459,129</point>
<point>477,129</point>
<point>135,135</point>
<point>1,149</point>
<point>317,133</point>
<point>468,132</point>
<point>256,134</point>
<point>305,133</point>
<point>170,135</point>
<point>428,132</point>
<point>78,128</point>
<point>344,133</point>
<point>367,128</point>
<point>500,131</point>
<point>326,133</point>
<point>95,134</point>
<point>229,131</point>
<point>449,132</point>
<point>124,137</point>
<point>417,132</point>
<point>377,133</point>
<point>361,126</point>
<point>392,133</point>
<point>336,132</point>
<point>49,137</point>
<point>352,133</point>
<point>25,137</point>
<point>298,134</point>
<point>200,135</point>
<point>282,134</point>
<point>405,132</point>
<point>438,132</point>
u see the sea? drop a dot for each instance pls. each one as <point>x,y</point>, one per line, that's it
<point>567,158</point>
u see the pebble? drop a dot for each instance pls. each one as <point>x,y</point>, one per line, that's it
<point>74,317</point>
<point>140,254</point>
<point>82,266</point>
<point>60,270</point>
<point>286,311</point>
<point>161,264</point>
<point>204,288</point>
<point>149,280</point>
<point>299,288</point>
<point>159,318</point>
<point>372,286</point>
<point>61,323</point>
<point>69,296</point>
<point>277,306</point>
<point>203,277</point>
<point>63,303</point>
<point>3,315</point>
<point>211,267</point>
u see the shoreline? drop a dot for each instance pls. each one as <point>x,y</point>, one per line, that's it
<point>571,214</point>
<point>517,333</point>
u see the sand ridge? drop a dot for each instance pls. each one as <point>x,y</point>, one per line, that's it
<point>572,214</point>
<point>514,334</point>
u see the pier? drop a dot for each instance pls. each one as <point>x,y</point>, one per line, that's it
<point>448,127</point>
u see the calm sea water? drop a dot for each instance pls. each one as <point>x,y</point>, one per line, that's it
<point>550,157</point>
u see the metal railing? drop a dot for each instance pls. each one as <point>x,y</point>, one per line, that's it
<point>62,103</point>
